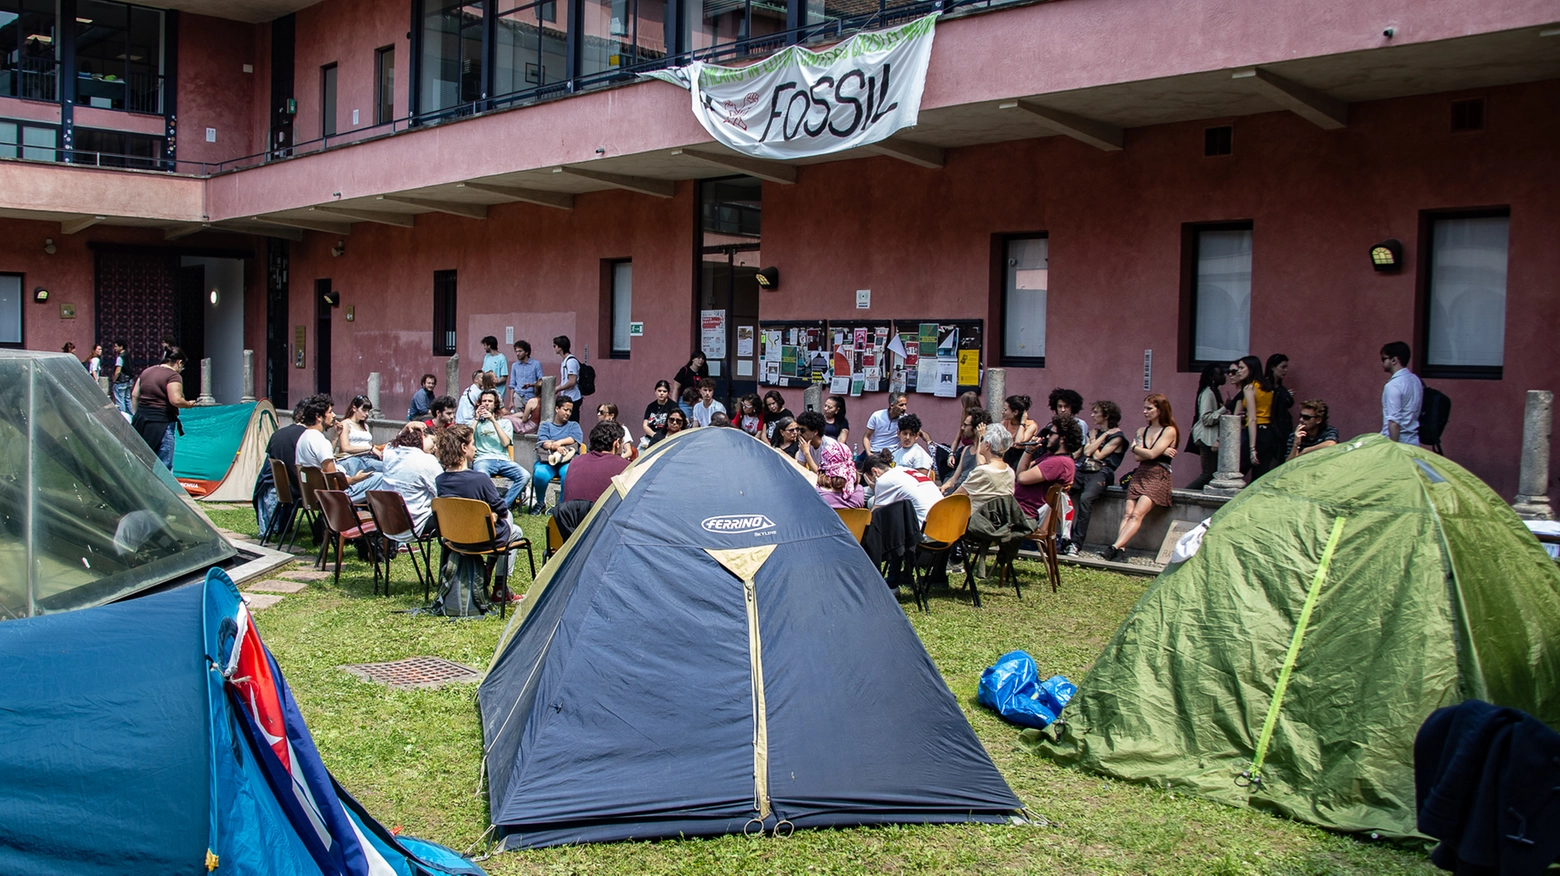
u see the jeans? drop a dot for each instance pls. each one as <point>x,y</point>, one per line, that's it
<point>504,468</point>
<point>121,393</point>
<point>1210,465</point>
<point>1091,485</point>
<point>165,452</point>
<point>358,492</point>
<point>352,465</point>
<point>543,475</point>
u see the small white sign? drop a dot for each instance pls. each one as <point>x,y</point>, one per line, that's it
<point>211,135</point>
<point>863,299</point>
<point>636,329</point>
<point>509,335</point>
<point>1148,370</point>
<point>354,117</point>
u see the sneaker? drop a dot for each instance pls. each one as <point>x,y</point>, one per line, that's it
<point>1111,554</point>
<point>1070,551</point>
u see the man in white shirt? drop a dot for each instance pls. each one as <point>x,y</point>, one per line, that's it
<point>314,448</point>
<point>568,375</point>
<point>883,426</point>
<point>496,362</point>
<point>1402,396</point>
<point>466,409</point>
<point>908,453</point>
<point>707,406</point>
<point>892,484</point>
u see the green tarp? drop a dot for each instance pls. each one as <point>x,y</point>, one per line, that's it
<point>211,439</point>
<point>1334,604</point>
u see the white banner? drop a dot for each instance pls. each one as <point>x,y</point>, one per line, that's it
<point>798,103</point>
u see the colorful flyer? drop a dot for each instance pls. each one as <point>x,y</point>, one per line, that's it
<point>969,367</point>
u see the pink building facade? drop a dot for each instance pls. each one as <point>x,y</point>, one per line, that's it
<point>1106,185</point>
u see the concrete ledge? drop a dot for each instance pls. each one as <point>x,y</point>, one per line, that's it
<point>1192,506</point>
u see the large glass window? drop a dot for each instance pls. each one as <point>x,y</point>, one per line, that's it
<point>119,56</point>
<point>450,72</point>
<point>28,50</point>
<point>621,33</point>
<point>384,85</point>
<point>528,50</point>
<point>1466,289</point>
<point>1026,276</point>
<point>622,306</point>
<point>10,310</point>
<point>32,142</point>
<point>1220,287</point>
<point>715,22</point>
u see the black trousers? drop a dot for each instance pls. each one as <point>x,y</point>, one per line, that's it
<point>1210,465</point>
<point>1090,486</point>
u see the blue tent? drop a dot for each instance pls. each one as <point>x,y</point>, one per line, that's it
<point>157,736</point>
<point>712,653</point>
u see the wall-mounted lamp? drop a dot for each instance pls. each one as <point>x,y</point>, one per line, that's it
<point>768,278</point>
<point>213,296</point>
<point>339,248</point>
<point>40,294</point>
<point>1387,256</point>
<point>48,246</point>
<point>332,298</point>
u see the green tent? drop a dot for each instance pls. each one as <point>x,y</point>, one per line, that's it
<point>1334,604</point>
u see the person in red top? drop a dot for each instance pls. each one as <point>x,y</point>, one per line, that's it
<point>1053,465</point>
<point>591,475</point>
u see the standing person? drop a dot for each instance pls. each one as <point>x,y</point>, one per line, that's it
<point>524,378</point>
<point>883,426</point>
<point>1282,418</point>
<point>122,377</point>
<point>95,362</point>
<point>1314,432</point>
<point>556,443</point>
<point>1025,431</point>
<point>569,377</point>
<point>157,396</point>
<point>493,436</point>
<point>422,399</point>
<point>466,409</point>
<point>494,363</point>
<point>707,407</point>
<point>591,473</point>
<point>657,411</point>
<point>774,411</point>
<point>1205,431</point>
<point>1254,401</point>
<point>1402,397</point>
<point>1154,448</point>
<point>1102,455</point>
<point>688,377</point>
<point>835,425</point>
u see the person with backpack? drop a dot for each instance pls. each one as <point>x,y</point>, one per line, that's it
<point>575,380</point>
<point>1402,396</point>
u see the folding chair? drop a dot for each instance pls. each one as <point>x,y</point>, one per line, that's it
<point>466,528</point>
<point>946,523</point>
<point>288,509</point>
<point>395,525</point>
<point>310,481</point>
<point>856,520</point>
<point>344,522</point>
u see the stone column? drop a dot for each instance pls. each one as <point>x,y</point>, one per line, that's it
<point>249,377</point>
<point>373,394</point>
<point>544,394</point>
<point>812,398</point>
<point>103,384</point>
<point>452,380</point>
<point>996,391</point>
<point>205,398</point>
<point>1227,481</point>
<point>1533,480</point>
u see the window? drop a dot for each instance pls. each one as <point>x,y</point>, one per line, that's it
<point>119,59</point>
<point>116,149</point>
<point>527,54</point>
<point>1468,115</point>
<point>443,313</point>
<point>28,141</point>
<point>28,49</point>
<point>1025,271</point>
<point>621,33</point>
<point>328,100</point>
<point>384,85</point>
<point>1464,293</point>
<point>10,310</point>
<point>620,290</point>
<point>1218,140</point>
<point>450,72</point>
<point>1216,292</point>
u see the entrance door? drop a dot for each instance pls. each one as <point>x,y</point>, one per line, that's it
<point>322,337</point>
<point>191,332</point>
<point>277,359</point>
<point>728,295</point>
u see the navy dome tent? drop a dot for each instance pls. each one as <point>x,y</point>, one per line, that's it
<point>712,653</point>
<point>156,736</point>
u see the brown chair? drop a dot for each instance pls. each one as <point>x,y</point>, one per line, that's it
<point>946,523</point>
<point>856,520</point>
<point>395,525</point>
<point>344,522</point>
<point>1046,537</point>
<point>337,480</point>
<point>555,539</point>
<point>466,528</point>
<point>310,481</point>
<point>288,508</point>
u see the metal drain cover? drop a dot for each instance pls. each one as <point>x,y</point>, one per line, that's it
<point>415,673</point>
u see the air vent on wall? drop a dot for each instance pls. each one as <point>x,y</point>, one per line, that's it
<point>1219,140</point>
<point>1468,115</point>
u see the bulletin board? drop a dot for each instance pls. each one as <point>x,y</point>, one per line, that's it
<point>937,357</point>
<point>793,353</point>
<point>858,357</point>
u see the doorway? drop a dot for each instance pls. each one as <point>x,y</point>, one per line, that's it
<point>277,359</point>
<point>322,337</point>
<point>727,298</point>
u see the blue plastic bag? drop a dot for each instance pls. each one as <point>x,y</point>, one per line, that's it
<point>1012,687</point>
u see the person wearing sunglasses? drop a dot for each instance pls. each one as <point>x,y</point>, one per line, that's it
<point>1313,431</point>
<point>787,436</point>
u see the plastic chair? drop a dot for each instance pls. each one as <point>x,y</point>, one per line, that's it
<point>946,523</point>
<point>466,528</point>
<point>856,520</point>
<point>344,522</point>
<point>554,539</point>
<point>395,525</point>
<point>288,509</point>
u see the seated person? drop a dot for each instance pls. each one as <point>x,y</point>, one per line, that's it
<point>1054,464</point>
<point>748,418</point>
<point>892,484</point>
<point>355,450</point>
<point>719,420</point>
<point>774,411</point>
<point>835,424</point>
<point>707,407</point>
<point>787,436</point>
<point>413,472</point>
<point>909,453</point>
<point>319,414</point>
<point>963,459</point>
<point>992,477</point>
<point>456,451</point>
<point>838,483</point>
<point>441,414</point>
<point>810,450</point>
<point>657,411</point>
<point>676,423</point>
<point>690,397</point>
<point>590,474</point>
<point>1313,431</point>
<point>607,412</point>
<point>422,400</point>
<point>494,436</point>
<point>556,443</point>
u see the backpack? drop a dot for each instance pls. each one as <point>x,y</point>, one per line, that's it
<point>1434,410</point>
<point>587,382</point>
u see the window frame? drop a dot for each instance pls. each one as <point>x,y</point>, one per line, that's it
<point>445,290</point>
<point>1424,268</point>
<point>330,79</point>
<point>1190,237</point>
<point>384,103</point>
<point>998,316</point>
<point>21,312</point>
<point>609,306</point>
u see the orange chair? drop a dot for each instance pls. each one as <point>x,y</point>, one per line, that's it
<point>856,520</point>
<point>344,522</point>
<point>555,539</point>
<point>466,527</point>
<point>946,523</point>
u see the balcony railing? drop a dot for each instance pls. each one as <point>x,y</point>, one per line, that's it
<point>137,92</point>
<point>30,79</point>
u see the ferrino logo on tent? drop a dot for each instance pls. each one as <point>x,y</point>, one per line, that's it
<point>736,524</point>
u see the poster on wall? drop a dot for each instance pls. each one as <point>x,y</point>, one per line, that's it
<point>745,341</point>
<point>712,333</point>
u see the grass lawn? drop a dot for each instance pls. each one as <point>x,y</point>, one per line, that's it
<point>413,757</point>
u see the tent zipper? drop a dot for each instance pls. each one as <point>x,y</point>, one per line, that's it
<point>1254,774</point>
<point>760,717</point>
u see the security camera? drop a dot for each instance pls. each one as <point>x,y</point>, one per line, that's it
<point>339,248</point>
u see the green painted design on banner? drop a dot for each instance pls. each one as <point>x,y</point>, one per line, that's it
<point>860,44</point>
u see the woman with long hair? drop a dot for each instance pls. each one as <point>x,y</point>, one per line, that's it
<point>834,423</point>
<point>1254,403</point>
<point>1154,448</point>
<point>1015,419</point>
<point>355,450</point>
<point>1205,431</point>
<point>774,411</point>
<point>750,417</point>
<point>1283,418</point>
<point>697,369</point>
